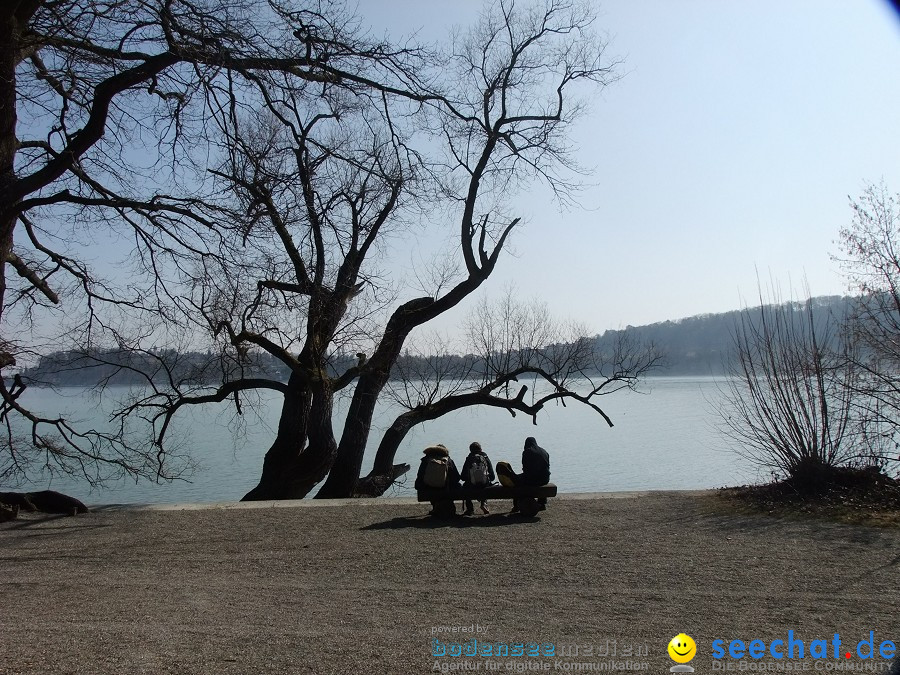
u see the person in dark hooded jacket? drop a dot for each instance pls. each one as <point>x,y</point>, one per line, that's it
<point>535,463</point>
<point>535,469</point>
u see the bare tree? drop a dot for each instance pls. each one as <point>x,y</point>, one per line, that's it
<point>106,125</point>
<point>789,400</point>
<point>518,358</point>
<point>313,149</point>
<point>871,260</point>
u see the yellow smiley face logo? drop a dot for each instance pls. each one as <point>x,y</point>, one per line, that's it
<point>682,648</point>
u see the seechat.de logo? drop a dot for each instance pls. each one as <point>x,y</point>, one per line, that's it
<point>682,649</point>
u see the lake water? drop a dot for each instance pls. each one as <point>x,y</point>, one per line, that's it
<point>666,437</point>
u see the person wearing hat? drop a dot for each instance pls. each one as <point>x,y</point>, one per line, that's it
<point>477,472</point>
<point>437,471</point>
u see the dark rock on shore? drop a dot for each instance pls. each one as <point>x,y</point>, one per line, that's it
<point>8,512</point>
<point>45,501</point>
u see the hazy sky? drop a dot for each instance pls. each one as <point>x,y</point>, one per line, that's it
<point>731,145</point>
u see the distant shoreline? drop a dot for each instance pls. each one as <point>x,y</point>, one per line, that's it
<point>693,346</point>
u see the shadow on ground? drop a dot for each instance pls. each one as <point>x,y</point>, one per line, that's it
<point>43,523</point>
<point>428,523</point>
<point>33,520</point>
<point>729,516</point>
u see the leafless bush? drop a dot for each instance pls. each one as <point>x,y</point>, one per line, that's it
<point>791,396</point>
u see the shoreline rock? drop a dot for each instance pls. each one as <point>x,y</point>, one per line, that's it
<point>45,501</point>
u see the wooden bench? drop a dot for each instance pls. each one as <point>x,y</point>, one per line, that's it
<point>527,496</point>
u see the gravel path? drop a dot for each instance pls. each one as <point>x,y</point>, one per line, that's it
<point>364,589</point>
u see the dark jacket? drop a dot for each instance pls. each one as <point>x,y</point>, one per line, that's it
<point>468,463</point>
<point>452,471</point>
<point>535,463</point>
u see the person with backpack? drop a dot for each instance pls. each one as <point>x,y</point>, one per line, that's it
<point>477,472</point>
<point>437,471</point>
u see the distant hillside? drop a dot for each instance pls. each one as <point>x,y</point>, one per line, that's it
<point>699,345</point>
<point>120,367</point>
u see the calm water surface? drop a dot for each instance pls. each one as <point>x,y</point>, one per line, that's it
<point>663,438</point>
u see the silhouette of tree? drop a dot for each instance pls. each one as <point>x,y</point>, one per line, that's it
<point>284,153</point>
<point>104,109</point>
<point>871,259</point>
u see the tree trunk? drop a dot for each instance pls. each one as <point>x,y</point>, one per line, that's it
<point>9,34</point>
<point>304,449</point>
<point>376,485</point>
<point>344,474</point>
<point>384,472</point>
<point>390,442</point>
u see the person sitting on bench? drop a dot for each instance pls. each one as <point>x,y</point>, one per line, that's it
<point>437,471</point>
<point>477,472</point>
<point>535,470</point>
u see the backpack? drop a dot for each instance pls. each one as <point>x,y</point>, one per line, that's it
<point>436,469</point>
<point>478,471</point>
<point>505,474</point>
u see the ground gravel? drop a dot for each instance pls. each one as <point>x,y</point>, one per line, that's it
<point>363,588</point>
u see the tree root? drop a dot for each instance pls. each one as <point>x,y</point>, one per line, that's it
<point>375,485</point>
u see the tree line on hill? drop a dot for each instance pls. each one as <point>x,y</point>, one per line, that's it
<point>704,344</point>
<point>696,345</point>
